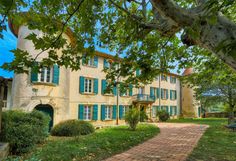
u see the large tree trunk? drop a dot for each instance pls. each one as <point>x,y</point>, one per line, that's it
<point>218,37</point>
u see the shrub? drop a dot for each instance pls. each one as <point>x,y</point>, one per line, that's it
<point>143,116</point>
<point>23,130</point>
<point>132,118</point>
<point>163,115</point>
<point>72,128</point>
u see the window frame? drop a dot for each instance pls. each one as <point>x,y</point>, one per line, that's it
<point>164,77</point>
<point>44,72</point>
<point>86,84</point>
<point>164,94</point>
<point>108,112</point>
<point>88,116</point>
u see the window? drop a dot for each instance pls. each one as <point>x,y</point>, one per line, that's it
<point>108,112</point>
<point>172,79</point>
<point>164,93</point>
<point>154,111</point>
<point>87,112</point>
<point>125,92</point>
<point>88,85</point>
<point>164,77</point>
<point>91,62</point>
<point>141,90</point>
<point>125,109</point>
<point>45,75</point>
<point>173,95</point>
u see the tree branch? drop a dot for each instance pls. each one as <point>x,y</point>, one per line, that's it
<point>62,29</point>
<point>7,12</point>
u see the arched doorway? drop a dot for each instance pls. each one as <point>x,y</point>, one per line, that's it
<point>47,109</point>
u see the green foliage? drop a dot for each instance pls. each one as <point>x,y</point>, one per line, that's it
<point>132,118</point>
<point>100,145</point>
<point>143,116</point>
<point>24,130</point>
<point>163,115</point>
<point>72,128</point>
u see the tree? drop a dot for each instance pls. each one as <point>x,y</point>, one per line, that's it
<point>214,81</point>
<point>152,34</point>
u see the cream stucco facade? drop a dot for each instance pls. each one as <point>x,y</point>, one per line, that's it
<point>65,98</point>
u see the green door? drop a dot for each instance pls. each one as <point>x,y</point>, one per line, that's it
<point>48,110</point>
<point>199,111</point>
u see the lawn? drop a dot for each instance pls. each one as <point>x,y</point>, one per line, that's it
<point>217,143</point>
<point>97,146</point>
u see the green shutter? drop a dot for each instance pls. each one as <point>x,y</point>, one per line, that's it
<point>158,92</point>
<point>56,71</point>
<point>167,93</point>
<point>121,112</point>
<point>103,112</point>
<point>171,110</point>
<point>81,112</point>
<point>95,86</point>
<point>103,86</point>
<point>34,74</point>
<point>151,91</point>
<point>83,59</point>
<point>175,94</point>
<point>137,72</point>
<point>95,112</point>
<point>95,61</point>
<point>162,93</point>
<point>114,91</point>
<point>81,84</point>
<point>114,112</point>
<point>130,90</point>
<point>122,89</point>
<point>171,94</point>
<point>105,64</point>
<point>167,109</point>
<point>158,108</point>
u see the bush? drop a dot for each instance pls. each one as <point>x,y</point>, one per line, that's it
<point>132,118</point>
<point>163,115</point>
<point>23,130</point>
<point>72,128</point>
<point>143,116</point>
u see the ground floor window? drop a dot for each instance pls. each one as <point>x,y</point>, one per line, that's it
<point>125,110</point>
<point>154,111</point>
<point>87,112</point>
<point>108,112</point>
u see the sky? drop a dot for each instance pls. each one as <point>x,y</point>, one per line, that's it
<point>8,43</point>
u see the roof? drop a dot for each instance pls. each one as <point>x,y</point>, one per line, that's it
<point>187,71</point>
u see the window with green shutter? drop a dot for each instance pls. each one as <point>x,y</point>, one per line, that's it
<point>121,112</point>
<point>88,85</point>
<point>103,116</point>
<point>95,112</point>
<point>114,112</point>
<point>104,89</point>
<point>81,112</point>
<point>164,93</point>
<point>90,61</point>
<point>81,84</point>
<point>56,73</point>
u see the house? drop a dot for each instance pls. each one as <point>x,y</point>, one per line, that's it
<point>66,94</point>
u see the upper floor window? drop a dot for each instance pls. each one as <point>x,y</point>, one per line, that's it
<point>45,75</point>
<point>173,94</point>
<point>172,79</point>
<point>105,90</point>
<point>164,93</point>
<point>154,92</point>
<point>87,112</point>
<point>164,77</point>
<point>88,85</point>
<point>107,63</point>
<point>91,61</point>
<point>141,90</point>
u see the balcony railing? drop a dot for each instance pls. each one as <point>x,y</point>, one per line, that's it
<point>143,98</point>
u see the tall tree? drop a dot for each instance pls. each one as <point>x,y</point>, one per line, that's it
<point>215,81</point>
<point>147,31</point>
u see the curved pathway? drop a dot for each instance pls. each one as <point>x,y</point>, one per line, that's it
<point>174,143</point>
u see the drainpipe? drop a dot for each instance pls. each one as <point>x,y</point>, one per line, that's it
<point>159,91</point>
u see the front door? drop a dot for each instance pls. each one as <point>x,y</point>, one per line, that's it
<point>48,110</point>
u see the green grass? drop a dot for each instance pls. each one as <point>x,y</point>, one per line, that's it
<point>97,146</point>
<point>217,143</point>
